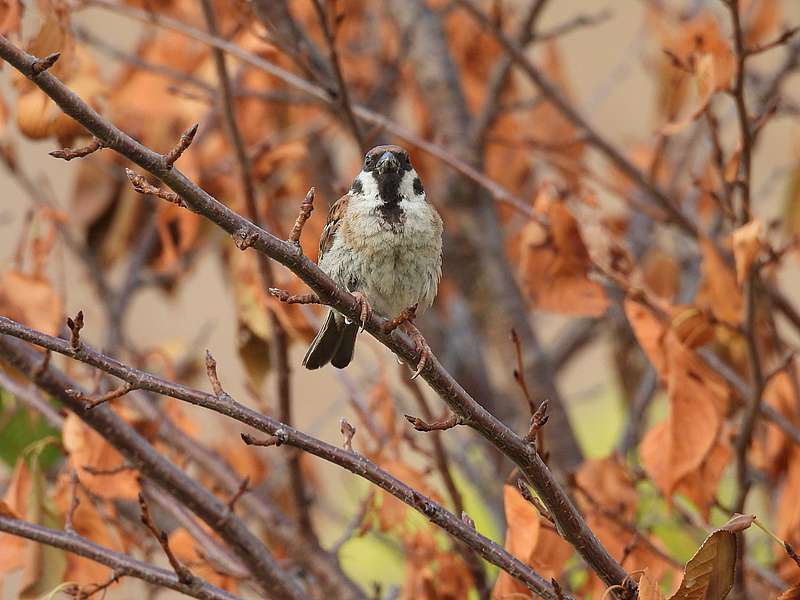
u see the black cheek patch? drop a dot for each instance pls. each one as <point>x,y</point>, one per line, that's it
<point>418,189</point>
<point>357,187</point>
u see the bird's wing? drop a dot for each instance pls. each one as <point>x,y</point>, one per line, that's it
<point>335,215</point>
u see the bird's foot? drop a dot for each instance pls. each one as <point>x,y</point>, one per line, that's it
<point>288,298</point>
<point>425,353</point>
<point>364,307</point>
<point>407,315</point>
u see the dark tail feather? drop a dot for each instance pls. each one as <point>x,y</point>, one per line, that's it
<point>324,346</point>
<point>347,344</point>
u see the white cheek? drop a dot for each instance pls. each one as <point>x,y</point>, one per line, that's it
<point>369,187</point>
<point>407,187</point>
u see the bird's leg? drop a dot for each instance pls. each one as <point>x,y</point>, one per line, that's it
<point>421,345</point>
<point>364,307</point>
<point>408,314</point>
<point>288,298</point>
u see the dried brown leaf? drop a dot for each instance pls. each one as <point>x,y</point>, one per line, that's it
<point>555,272</point>
<point>746,248</point>
<point>709,573</point>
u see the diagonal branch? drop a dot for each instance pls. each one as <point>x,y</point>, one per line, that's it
<point>280,434</point>
<point>136,449</point>
<point>122,564</point>
<point>573,525</point>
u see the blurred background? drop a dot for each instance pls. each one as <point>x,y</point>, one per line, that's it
<point>179,286</point>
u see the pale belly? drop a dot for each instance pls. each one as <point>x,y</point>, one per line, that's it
<point>393,268</point>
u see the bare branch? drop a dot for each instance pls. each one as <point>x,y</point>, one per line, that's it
<point>538,420</point>
<point>183,573</point>
<point>185,141</point>
<point>306,207</point>
<point>141,185</point>
<point>122,564</point>
<point>571,523</point>
<point>213,378</point>
<point>137,450</point>
<point>250,440</point>
<point>40,65</point>
<point>282,434</point>
<point>348,432</point>
<point>448,421</point>
<point>75,325</point>
<point>70,153</point>
<point>94,401</point>
<point>74,502</point>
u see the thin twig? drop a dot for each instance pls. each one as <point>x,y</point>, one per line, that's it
<point>348,433</point>
<point>342,93</point>
<point>181,570</point>
<point>141,185</point>
<point>94,401</point>
<point>183,143</point>
<point>75,325</point>
<point>40,65</point>
<point>69,521</point>
<point>280,434</point>
<point>121,563</point>
<point>448,421</point>
<point>70,153</point>
<point>306,207</point>
<point>213,378</point>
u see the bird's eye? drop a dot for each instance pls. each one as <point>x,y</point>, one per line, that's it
<point>368,163</point>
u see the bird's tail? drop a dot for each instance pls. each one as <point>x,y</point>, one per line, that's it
<point>334,344</point>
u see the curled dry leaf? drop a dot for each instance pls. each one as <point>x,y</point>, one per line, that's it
<point>608,498</point>
<point>689,446</point>
<point>31,300</point>
<point>555,266</point>
<point>185,548</point>
<point>692,326</point>
<point>704,78</point>
<point>684,44</point>
<point>533,541</point>
<point>709,573</point>
<point>746,247</point>
<point>761,20</point>
<point>739,523</point>
<point>793,593</point>
<point>88,522</point>
<point>433,574</point>
<point>10,17</point>
<point>772,447</point>
<point>87,447</point>
<point>648,587</point>
<point>5,511</point>
<point>43,566</point>
<point>719,292</point>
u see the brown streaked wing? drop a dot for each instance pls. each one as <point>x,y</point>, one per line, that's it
<point>335,215</point>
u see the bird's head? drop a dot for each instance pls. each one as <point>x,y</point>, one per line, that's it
<point>388,173</point>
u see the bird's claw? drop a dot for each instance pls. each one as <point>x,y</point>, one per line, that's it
<point>421,345</point>
<point>364,307</point>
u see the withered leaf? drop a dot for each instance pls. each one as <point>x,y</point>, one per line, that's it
<point>709,573</point>
<point>746,247</point>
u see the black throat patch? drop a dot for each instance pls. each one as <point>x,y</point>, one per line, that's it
<point>389,191</point>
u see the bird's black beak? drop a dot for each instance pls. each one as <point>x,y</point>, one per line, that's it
<point>388,164</point>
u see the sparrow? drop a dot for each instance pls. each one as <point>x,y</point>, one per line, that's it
<point>382,243</point>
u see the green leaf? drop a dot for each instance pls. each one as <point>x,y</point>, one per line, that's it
<point>19,428</point>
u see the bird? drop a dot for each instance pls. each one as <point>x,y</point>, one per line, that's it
<point>382,242</point>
